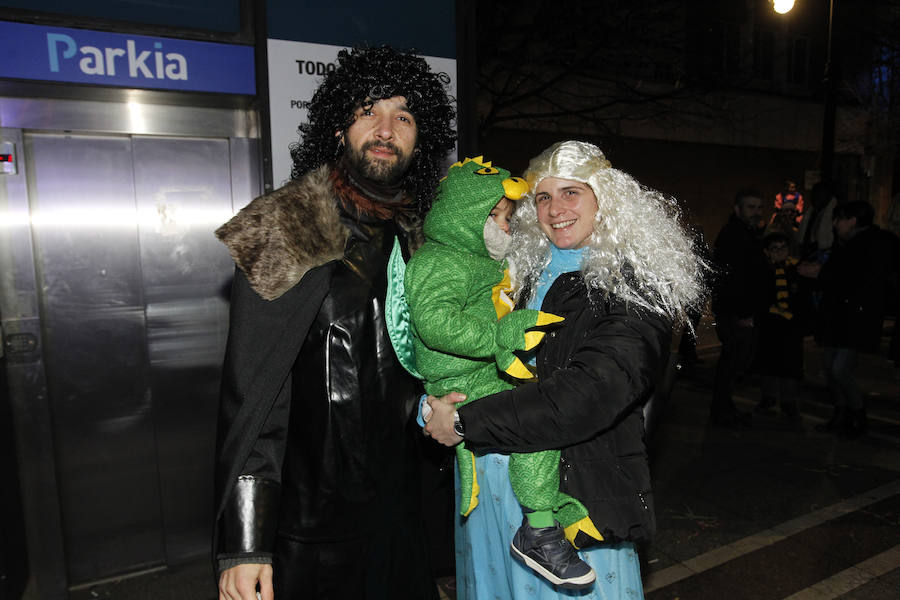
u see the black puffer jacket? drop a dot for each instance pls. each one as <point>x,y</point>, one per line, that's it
<point>855,284</point>
<point>594,375</point>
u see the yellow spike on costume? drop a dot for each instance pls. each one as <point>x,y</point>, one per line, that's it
<point>478,159</point>
<point>473,500</point>
<point>533,338</point>
<point>545,318</point>
<point>518,370</point>
<point>503,304</point>
<point>585,525</point>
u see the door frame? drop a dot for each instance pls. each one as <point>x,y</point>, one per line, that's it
<point>131,112</point>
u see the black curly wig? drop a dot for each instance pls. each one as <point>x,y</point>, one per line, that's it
<point>377,73</point>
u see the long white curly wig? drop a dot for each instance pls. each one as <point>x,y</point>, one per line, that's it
<point>638,250</point>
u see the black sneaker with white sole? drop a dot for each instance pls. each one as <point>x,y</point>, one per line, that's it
<point>548,553</point>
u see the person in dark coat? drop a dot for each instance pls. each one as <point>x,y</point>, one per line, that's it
<point>595,247</point>
<point>317,469</point>
<point>739,299</point>
<point>854,287</point>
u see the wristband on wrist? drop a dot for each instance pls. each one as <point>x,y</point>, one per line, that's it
<point>421,415</point>
<point>458,425</point>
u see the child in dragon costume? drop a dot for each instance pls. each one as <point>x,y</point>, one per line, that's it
<point>465,333</point>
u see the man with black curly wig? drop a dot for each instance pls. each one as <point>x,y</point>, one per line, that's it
<point>317,457</point>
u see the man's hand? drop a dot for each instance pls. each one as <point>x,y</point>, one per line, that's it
<point>239,583</point>
<point>440,424</point>
<point>809,269</point>
<point>745,322</point>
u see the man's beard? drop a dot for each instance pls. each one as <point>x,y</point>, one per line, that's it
<point>385,172</point>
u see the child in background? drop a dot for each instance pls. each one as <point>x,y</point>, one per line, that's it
<point>779,355</point>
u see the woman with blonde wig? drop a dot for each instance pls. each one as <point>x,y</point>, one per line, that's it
<point>609,255</point>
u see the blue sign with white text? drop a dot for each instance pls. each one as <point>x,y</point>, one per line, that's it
<point>101,58</point>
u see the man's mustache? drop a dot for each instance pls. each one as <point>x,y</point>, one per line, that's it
<point>387,145</point>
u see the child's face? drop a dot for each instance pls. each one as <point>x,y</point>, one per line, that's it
<point>502,213</point>
<point>777,252</point>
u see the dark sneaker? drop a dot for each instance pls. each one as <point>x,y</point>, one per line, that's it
<point>837,421</point>
<point>547,552</point>
<point>765,408</point>
<point>732,420</point>
<point>856,424</point>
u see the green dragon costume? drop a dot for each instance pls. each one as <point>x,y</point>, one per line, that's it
<point>463,331</point>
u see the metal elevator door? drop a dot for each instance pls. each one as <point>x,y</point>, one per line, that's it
<point>133,311</point>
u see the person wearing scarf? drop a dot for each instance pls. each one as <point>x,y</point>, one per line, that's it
<point>317,461</point>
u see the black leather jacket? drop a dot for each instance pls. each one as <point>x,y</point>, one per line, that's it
<point>350,447</point>
<point>594,374</point>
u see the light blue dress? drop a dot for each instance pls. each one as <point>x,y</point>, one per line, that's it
<point>485,569</point>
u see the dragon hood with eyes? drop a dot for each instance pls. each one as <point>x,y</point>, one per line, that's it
<point>459,215</point>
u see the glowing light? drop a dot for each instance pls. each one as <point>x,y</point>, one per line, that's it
<point>783,6</point>
<point>136,117</point>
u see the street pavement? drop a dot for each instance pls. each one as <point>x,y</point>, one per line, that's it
<point>773,511</point>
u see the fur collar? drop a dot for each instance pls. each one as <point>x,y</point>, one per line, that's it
<point>278,237</point>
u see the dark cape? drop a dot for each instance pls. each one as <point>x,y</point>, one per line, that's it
<point>281,243</point>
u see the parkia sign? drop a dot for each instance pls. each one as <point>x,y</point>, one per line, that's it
<point>85,56</point>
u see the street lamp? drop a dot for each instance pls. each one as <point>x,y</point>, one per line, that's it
<point>830,108</point>
<point>783,6</point>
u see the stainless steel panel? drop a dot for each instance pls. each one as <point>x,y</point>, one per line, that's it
<point>134,116</point>
<point>246,171</point>
<point>29,404</point>
<point>18,298</point>
<point>110,271</point>
<point>84,223</point>
<point>183,190</point>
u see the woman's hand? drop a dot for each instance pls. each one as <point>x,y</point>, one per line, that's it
<point>440,424</point>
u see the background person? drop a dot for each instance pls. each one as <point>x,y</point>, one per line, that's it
<point>739,297</point>
<point>779,351</point>
<point>789,204</point>
<point>854,285</point>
